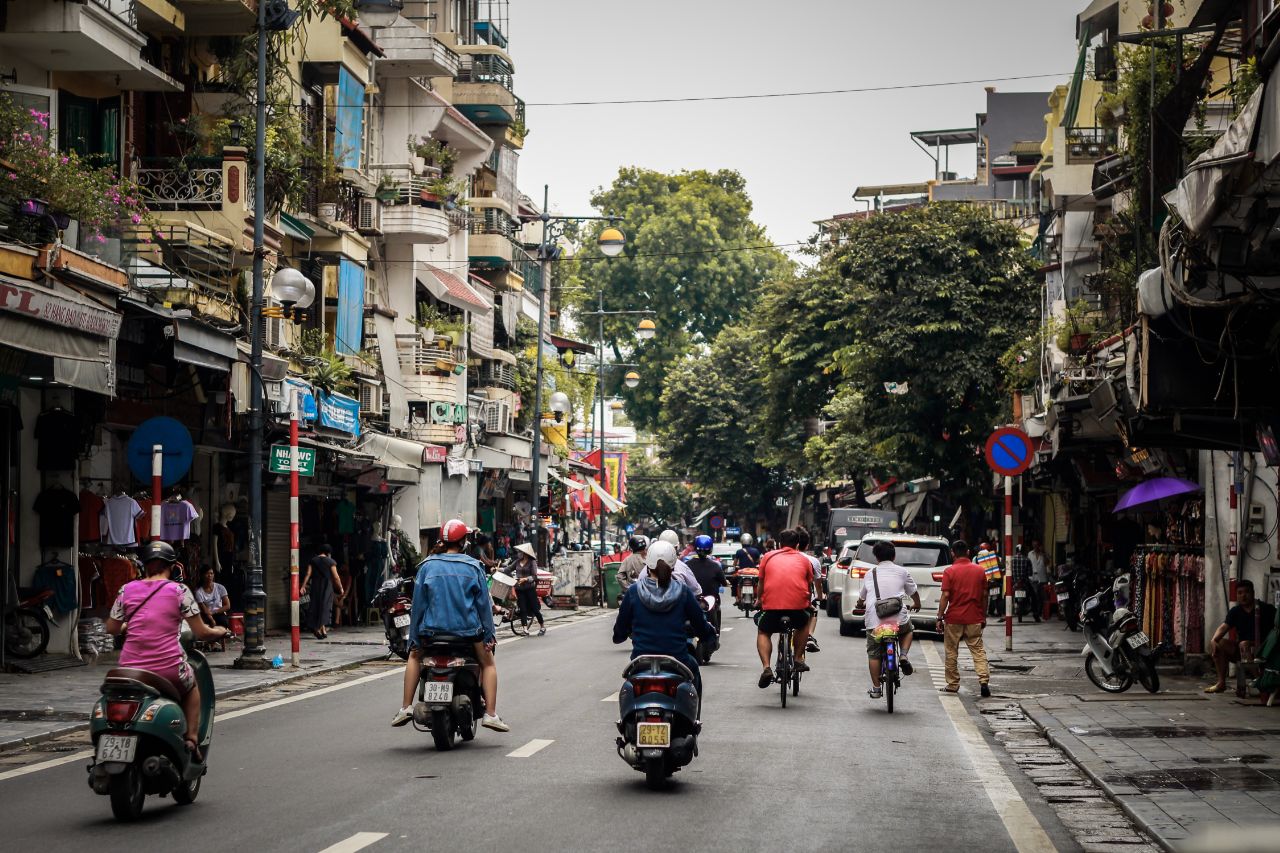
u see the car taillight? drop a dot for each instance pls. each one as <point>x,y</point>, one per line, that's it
<point>937,576</point>
<point>121,712</point>
<point>856,573</point>
<point>666,686</point>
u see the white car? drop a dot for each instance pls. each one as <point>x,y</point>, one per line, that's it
<point>836,575</point>
<point>924,556</point>
<point>725,552</point>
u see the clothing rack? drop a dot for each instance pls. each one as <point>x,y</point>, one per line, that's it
<point>1168,594</point>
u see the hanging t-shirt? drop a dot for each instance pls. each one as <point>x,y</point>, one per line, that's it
<point>142,524</point>
<point>91,505</point>
<point>346,516</point>
<point>58,437</point>
<point>175,520</point>
<point>118,516</point>
<point>57,508</point>
<point>59,577</point>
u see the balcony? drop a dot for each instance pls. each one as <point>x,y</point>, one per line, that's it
<point>429,372</point>
<point>413,223</point>
<point>174,185</point>
<point>483,90</point>
<point>1087,145</point>
<point>413,52</point>
<point>495,374</point>
<point>219,17</point>
<point>185,266</point>
<point>95,36</point>
<point>1007,209</point>
<point>492,232</point>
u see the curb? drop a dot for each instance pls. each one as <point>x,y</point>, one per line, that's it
<point>1093,777</point>
<point>41,737</point>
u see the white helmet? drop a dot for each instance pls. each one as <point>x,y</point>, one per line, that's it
<point>670,536</point>
<point>746,539</point>
<point>663,551</point>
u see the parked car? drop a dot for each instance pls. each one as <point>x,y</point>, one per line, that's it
<point>924,556</point>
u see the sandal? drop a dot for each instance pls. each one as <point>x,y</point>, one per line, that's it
<point>1216,688</point>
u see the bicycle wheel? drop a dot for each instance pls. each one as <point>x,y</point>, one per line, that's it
<point>888,692</point>
<point>519,626</point>
<point>786,664</point>
<point>795,683</point>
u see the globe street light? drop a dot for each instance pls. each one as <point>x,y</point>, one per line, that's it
<point>560,405</point>
<point>632,379</point>
<point>378,13</point>
<point>646,330</point>
<point>611,242</point>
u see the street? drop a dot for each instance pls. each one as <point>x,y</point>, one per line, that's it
<point>832,771</point>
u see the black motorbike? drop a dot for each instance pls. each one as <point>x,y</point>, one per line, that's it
<point>395,605</point>
<point>450,701</point>
<point>703,650</point>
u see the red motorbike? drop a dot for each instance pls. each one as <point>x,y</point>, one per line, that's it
<point>26,625</point>
<point>395,605</point>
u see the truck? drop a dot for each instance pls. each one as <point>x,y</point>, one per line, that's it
<point>845,529</point>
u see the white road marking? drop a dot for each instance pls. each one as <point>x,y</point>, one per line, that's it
<point>533,746</point>
<point>612,697</point>
<point>276,703</point>
<point>359,841</point>
<point>730,628</point>
<point>1023,828</point>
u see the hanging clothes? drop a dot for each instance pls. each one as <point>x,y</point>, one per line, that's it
<point>59,577</point>
<point>175,520</point>
<point>57,508</point>
<point>91,506</point>
<point>119,514</point>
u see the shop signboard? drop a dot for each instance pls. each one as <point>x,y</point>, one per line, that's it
<point>39,304</point>
<point>306,399</point>
<point>436,453</point>
<point>280,457</point>
<point>733,531</point>
<point>340,412</point>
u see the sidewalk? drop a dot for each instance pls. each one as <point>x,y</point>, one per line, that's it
<point>1180,763</point>
<point>44,705</point>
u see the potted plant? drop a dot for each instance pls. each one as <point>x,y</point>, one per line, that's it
<point>434,153</point>
<point>388,191</point>
<point>444,192</point>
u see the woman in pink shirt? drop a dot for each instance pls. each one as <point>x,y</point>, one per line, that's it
<point>154,609</point>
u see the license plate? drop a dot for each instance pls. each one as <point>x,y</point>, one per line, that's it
<point>1137,641</point>
<point>439,692</point>
<point>402,620</point>
<point>1022,593</point>
<point>653,735</point>
<point>1063,596</point>
<point>117,748</point>
<point>993,593</point>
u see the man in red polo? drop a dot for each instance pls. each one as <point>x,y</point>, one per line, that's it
<point>963,607</point>
<point>786,590</point>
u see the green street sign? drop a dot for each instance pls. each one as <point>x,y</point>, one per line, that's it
<point>280,457</point>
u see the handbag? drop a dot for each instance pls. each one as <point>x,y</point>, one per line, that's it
<point>888,607</point>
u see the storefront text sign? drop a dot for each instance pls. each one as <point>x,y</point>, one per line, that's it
<point>306,399</point>
<point>280,457</point>
<point>521,463</point>
<point>41,305</point>
<point>437,453</point>
<point>340,413</point>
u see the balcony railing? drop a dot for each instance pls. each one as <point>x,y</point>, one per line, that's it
<point>494,374</point>
<point>1007,209</point>
<point>123,9</point>
<point>344,196</point>
<point>1089,144</point>
<point>483,68</point>
<point>528,269</point>
<point>491,220</point>
<point>174,185</point>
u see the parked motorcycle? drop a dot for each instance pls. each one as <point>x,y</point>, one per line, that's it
<point>658,724</point>
<point>395,605</point>
<point>1116,650</point>
<point>748,596</point>
<point>137,729</point>
<point>26,625</point>
<point>450,701</point>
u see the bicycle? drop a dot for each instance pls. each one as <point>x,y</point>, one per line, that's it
<point>785,672</point>
<point>890,672</point>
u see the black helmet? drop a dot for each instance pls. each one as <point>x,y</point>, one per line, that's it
<point>638,543</point>
<point>157,551</point>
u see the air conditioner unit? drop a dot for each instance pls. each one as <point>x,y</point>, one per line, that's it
<point>370,220</point>
<point>497,417</point>
<point>370,398</point>
<point>273,332</point>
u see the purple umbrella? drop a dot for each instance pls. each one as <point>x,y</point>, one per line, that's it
<point>1155,490</point>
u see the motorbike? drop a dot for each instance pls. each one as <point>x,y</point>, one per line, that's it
<point>1068,598</point>
<point>395,604</point>
<point>702,651</point>
<point>26,625</point>
<point>450,702</point>
<point>748,599</point>
<point>1116,651</point>
<point>137,728</point>
<point>658,723</point>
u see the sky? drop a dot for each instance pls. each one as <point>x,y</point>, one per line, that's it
<point>802,157</point>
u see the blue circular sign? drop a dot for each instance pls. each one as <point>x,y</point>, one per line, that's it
<point>1009,451</point>
<point>178,449</point>
<point>717,522</point>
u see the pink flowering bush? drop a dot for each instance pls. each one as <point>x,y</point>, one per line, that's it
<point>32,168</point>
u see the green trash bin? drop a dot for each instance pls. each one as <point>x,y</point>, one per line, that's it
<point>612,589</point>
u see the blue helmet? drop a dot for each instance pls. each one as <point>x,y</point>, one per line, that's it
<point>702,544</point>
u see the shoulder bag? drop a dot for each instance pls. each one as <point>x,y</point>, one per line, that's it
<point>886,607</point>
<point>125,630</point>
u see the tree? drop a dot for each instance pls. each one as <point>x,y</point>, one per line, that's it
<point>684,259</point>
<point>709,425</point>
<point>656,499</point>
<point>930,298</point>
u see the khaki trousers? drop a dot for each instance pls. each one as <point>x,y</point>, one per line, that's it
<point>972,636</point>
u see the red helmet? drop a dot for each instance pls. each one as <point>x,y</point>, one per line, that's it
<point>454,530</point>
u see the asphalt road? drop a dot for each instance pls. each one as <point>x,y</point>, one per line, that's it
<point>325,772</point>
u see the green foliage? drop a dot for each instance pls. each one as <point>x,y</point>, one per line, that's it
<point>435,152</point>
<point>1245,82</point>
<point>322,366</point>
<point>931,296</point>
<point>709,423</point>
<point>656,498</point>
<point>579,386</point>
<point>683,259</point>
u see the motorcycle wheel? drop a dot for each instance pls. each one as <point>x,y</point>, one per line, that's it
<point>26,634</point>
<point>1115,684</point>
<point>467,722</point>
<point>127,794</point>
<point>655,774</point>
<point>1145,667</point>
<point>442,730</point>
<point>888,692</point>
<point>185,793</point>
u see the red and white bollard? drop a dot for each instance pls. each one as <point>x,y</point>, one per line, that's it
<point>295,626</point>
<point>157,480</point>
<point>1008,564</point>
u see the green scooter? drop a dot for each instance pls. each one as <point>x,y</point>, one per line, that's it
<point>137,729</point>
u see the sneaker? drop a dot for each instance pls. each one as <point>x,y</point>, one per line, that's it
<point>801,666</point>
<point>876,692</point>
<point>542,631</point>
<point>493,721</point>
<point>812,645</point>
<point>986,691</point>
<point>905,666</point>
<point>766,678</point>
<point>402,717</point>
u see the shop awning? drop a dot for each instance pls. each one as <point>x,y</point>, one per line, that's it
<point>912,509</point>
<point>200,345</point>
<point>572,484</point>
<point>78,334</point>
<point>448,288</point>
<point>296,228</point>
<point>395,452</point>
<point>398,416</point>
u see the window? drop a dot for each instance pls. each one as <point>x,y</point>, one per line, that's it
<point>90,127</point>
<point>40,100</point>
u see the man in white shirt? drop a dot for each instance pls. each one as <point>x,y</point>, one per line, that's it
<point>887,581</point>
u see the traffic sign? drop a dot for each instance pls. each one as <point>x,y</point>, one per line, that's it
<point>1009,451</point>
<point>733,531</point>
<point>280,459</point>
<point>716,522</point>
<point>178,449</point>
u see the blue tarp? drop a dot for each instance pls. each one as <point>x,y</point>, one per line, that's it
<point>340,412</point>
<point>350,331</point>
<point>349,121</point>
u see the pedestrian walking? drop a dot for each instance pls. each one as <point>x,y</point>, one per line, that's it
<point>322,581</point>
<point>962,612</point>
<point>526,573</point>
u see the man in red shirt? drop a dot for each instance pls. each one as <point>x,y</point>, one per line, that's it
<point>963,607</point>
<point>786,590</point>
